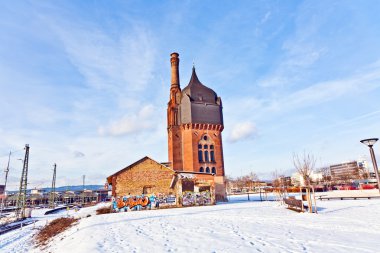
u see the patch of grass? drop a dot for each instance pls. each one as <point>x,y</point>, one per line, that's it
<point>103,210</point>
<point>53,228</point>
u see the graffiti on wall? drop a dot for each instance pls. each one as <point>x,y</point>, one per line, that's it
<point>166,199</point>
<point>143,202</point>
<point>196,198</point>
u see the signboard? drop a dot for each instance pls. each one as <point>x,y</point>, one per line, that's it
<point>166,199</point>
<point>2,188</point>
<point>170,199</point>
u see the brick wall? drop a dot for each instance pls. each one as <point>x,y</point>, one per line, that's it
<point>147,173</point>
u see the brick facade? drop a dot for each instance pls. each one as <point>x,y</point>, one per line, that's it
<point>147,173</point>
<point>160,180</point>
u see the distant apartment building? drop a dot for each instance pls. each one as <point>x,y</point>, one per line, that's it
<point>36,191</point>
<point>345,172</point>
<point>285,181</point>
<point>298,180</point>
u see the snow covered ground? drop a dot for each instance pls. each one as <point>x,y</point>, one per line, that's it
<point>237,226</point>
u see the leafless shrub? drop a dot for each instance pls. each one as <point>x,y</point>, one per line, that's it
<point>304,165</point>
<point>53,228</point>
<point>103,210</point>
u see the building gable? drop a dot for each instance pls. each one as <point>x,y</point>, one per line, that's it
<point>144,176</point>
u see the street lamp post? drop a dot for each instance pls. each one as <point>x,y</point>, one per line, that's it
<point>370,143</point>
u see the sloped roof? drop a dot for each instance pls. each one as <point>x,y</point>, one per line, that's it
<point>199,92</point>
<point>109,178</point>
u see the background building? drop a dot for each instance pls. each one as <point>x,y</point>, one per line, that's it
<point>298,180</point>
<point>345,172</point>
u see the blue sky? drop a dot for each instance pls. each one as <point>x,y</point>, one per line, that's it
<point>86,83</point>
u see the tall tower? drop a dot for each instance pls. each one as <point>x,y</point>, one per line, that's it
<point>195,125</point>
<point>174,132</point>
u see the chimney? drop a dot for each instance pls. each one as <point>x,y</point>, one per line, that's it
<point>174,60</point>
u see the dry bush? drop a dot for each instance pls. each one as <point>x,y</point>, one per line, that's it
<point>304,165</point>
<point>103,210</point>
<point>53,228</point>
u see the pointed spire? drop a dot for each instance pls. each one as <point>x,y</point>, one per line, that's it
<point>194,78</point>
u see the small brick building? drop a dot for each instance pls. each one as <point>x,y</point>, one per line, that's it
<point>147,177</point>
<point>142,177</point>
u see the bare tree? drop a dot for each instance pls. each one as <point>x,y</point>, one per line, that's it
<point>229,183</point>
<point>326,175</point>
<point>304,165</point>
<point>253,178</point>
<point>363,173</point>
<point>278,179</point>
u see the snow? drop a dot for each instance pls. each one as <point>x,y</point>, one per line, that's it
<point>237,226</point>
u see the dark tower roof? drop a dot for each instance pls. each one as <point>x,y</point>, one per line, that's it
<point>198,92</point>
<point>200,104</point>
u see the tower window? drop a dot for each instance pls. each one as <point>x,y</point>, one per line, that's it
<point>206,151</point>
<point>207,170</point>
<point>212,156</point>
<point>201,169</point>
<point>213,170</point>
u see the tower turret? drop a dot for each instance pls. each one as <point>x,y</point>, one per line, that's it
<point>174,60</point>
<point>173,119</point>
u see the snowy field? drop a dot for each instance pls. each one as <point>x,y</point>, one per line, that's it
<point>237,226</point>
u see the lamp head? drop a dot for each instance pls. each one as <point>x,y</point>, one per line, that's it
<point>369,142</point>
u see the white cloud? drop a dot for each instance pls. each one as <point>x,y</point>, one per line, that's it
<point>118,64</point>
<point>326,91</point>
<point>130,123</point>
<point>292,67</point>
<point>265,18</point>
<point>242,131</point>
<point>78,154</point>
<point>361,82</point>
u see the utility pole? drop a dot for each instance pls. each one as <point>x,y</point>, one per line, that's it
<point>5,184</point>
<point>21,199</point>
<point>52,193</point>
<point>84,176</point>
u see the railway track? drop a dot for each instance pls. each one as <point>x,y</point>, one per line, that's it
<point>15,225</point>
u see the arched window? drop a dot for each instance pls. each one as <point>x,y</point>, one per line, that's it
<point>213,170</point>
<point>206,150</point>
<point>212,156</point>
<point>201,169</point>
<point>207,170</point>
<point>200,155</point>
